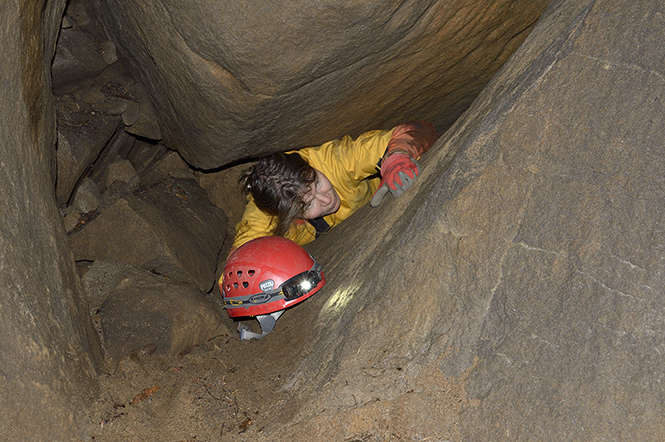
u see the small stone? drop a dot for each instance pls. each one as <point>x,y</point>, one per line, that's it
<point>66,22</point>
<point>71,217</point>
<point>108,52</point>
<point>87,196</point>
<point>123,171</point>
<point>131,115</point>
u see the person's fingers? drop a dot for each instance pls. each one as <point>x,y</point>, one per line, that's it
<point>406,180</point>
<point>378,196</point>
<point>396,181</point>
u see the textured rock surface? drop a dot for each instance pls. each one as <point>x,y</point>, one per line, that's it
<point>139,311</point>
<point>171,229</point>
<point>48,349</point>
<point>95,99</point>
<point>87,196</point>
<point>232,80</point>
<point>82,50</point>
<point>224,191</point>
<point>514,293</point>
<point>571,346</point>
<point>529,265</point>
<point>169,165</point>
<point>82,134</point>
<point>123,171</point>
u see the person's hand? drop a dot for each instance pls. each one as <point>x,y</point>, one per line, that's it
<point>398,172</point>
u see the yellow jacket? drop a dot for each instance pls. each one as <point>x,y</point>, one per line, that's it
<point>351,167</point>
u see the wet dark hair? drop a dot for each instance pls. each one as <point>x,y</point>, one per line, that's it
<point>278,184</point>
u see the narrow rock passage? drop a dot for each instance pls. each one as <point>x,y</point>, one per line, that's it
<point>515,291</point>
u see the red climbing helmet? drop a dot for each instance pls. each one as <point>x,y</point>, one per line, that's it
<point>268,274</point>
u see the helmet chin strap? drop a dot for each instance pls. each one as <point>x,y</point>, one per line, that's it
<point>267,323</point>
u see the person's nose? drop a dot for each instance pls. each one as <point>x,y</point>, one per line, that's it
<point>324,199</point>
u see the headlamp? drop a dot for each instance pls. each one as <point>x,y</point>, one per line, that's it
<point>301,284</point>
<point>293,288</point>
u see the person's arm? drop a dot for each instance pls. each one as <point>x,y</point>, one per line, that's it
<point>347,160</point>
<point>399,168</point>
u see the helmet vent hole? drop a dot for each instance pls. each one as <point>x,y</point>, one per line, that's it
<point>235,285</point>
<point>245,284</point>
<point>251,272</point>
<point>239,273</point>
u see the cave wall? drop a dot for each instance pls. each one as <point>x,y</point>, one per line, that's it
<point>233,80</point>
<point>48,352</point>
<point>525,268</point>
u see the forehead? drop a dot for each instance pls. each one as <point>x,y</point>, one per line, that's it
<point>311,188</point>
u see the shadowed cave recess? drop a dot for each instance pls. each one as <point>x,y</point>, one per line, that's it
<point>505,283</point>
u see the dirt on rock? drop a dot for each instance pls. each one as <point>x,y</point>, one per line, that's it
<point>232,390</point>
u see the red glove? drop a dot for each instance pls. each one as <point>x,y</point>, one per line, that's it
<point>398,172</point>
<point>399,168</point>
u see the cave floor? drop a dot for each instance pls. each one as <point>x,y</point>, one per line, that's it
<point>222,390</point>
<point>227,390</point>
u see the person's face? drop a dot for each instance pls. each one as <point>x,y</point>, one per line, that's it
<point>322,199</point>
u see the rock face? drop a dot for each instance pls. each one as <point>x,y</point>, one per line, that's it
<point>49,350</point>
<point>170,229</point>
<point>138,311</point>
<point>96,99</point>
<point>233,80</point>
<point>82,133</point>
<point>527,263</point>
<point>524,268</point>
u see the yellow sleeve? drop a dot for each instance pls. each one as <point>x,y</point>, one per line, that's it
<point>349,159</point>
